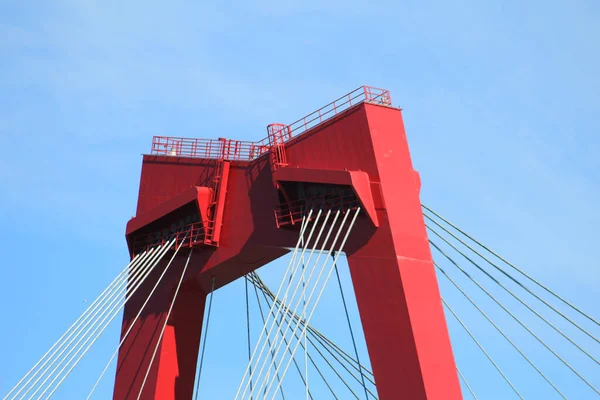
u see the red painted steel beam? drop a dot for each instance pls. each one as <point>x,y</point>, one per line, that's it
<point>391,265</point>
<point>219,207</point>
<point>358,180</point>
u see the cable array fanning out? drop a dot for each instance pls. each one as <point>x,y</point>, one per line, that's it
<point>548,322</point>
<point>41,379</point>
<point>264,384</point>
<point>510,304</point>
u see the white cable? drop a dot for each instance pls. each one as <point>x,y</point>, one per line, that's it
<point>289,270</point>
<point>91,319</point>
<point>127,333</point>
<point>291,279</point>
<point>83,316</point>
<point>276,343</point>
<point>289,305</point>
<point>115,311</point>
<point>264,329</point>
<point>136,280</point>
<point>305,342</point>
<point>316,284</point>
<point>316,302</point>
<point>320,293</point>
<point>162,331</point>
<point>288,326</point>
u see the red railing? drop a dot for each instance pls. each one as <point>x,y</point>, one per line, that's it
<point>189,236</point>
<point>228,149</point>
<point>221,149</point>
<point>292,212</point>
<point>363,94</point>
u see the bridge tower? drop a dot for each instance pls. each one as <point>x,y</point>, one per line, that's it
<point>238,206</point>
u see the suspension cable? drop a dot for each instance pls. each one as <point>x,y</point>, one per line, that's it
<point>482,349</point>
<point>466,383</point>
<point>345,365</point>
<point>515,318</point>
<point>271,348</point>
<point>129,329</point>
<point>108,318</point>
<point>264,329</point>
<point>91,324</point>
<point>498,329</point>
<point>512,294</point>
<point>342,353</point>
<point>304,316</point>
<point>315,285</point>
<point>326,343</point>
<point>162,331</point>
<point>212,291</point>
<point>290,304</point>
<point>84,329</point>
<point>347,233</point>
<point>294,270</point>
<point>74,328</point>
<point>362,377</point>
<point>289,315</point>
<point>510,265</point>
<point>248,326</point>
<point>522,286</point>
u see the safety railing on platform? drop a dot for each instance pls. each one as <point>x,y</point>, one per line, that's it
<point>363,94</point>
<point>292,212</point>
<point>190,235</point>
<point>220,149</point>
<point>229,149</point>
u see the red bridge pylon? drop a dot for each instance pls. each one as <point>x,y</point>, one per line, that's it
<point>239,204</point>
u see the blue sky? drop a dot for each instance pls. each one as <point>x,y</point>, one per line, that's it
<point>501,102</point>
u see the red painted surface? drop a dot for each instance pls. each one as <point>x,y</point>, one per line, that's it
<point>391,264</point>
<point>358,180</point>
<point>199,195</point>
<point>220,201</point>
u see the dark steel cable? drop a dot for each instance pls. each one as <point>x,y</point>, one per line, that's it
<point>515,318</point>
<point>309,355</point>
<point>520,284</point>
<point>266,292</point>
<point>466,383</point>
<point>481,348</point>
<point>336,372</point>
<point>343,354</point>
<point>262,315</point>
<point>509,264</point>
<point>204,338</point>
<point>248,325</point>
<point>325,359</point>
<point>511,293</point>
<point>341,363</point>
<point>498,329</point>
<point>362,377</point>
<point>318,335</point>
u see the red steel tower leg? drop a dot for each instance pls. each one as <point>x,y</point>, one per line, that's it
<point>395,282</point>
<point>174,366</point>
<point>401,312</point>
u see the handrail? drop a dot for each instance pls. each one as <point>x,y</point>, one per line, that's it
<point>230,149</point>
<point>191,234</point>
<point>293,211</point>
